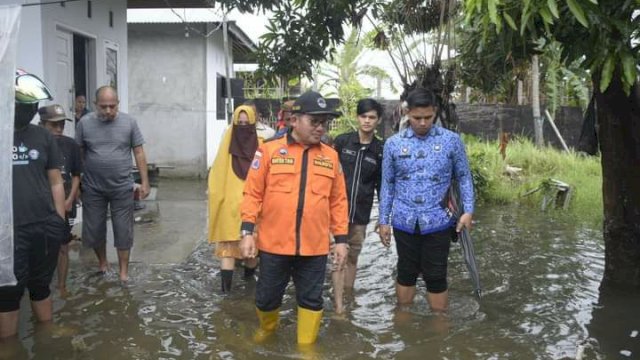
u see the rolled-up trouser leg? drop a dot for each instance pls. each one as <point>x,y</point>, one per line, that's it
<point>94,217</point>
<point>36,249</point>
<point>408,247</point>
<point>122,205</point>
<point>357,235</point>
<point>44,257</point>
<point>435,255</point>
<point>10,295</point>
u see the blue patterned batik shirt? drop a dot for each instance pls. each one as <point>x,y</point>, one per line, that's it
<point>416,174</point>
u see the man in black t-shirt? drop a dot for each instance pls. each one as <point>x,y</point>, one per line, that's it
<point>38,209</point>
<point>53,118</point>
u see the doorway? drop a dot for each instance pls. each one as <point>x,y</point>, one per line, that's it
<point>82,81</point>
<point>75,61</point>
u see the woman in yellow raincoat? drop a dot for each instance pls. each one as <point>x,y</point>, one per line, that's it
<point>226,182</point>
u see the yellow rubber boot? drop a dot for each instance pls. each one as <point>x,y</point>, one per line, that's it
<point>308,325</point>
<point>268,324</point>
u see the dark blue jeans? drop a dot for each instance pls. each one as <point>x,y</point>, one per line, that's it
<point>275,271</point>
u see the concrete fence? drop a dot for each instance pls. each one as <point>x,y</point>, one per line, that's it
<point>485,121</point>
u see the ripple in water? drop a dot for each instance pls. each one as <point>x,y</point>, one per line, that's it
<point>540,301</point>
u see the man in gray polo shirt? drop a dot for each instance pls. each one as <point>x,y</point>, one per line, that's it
<point>107,138</point>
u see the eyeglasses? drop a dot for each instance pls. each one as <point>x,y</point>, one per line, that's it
<point>319,121</point>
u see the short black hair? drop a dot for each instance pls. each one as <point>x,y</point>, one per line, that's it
<point>421,97</point>
<point>366,105</point>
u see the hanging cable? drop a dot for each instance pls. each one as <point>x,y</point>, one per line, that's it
<point>61,2</point>
<point>189,28</point>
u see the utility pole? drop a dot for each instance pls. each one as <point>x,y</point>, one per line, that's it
<point>538,120</point>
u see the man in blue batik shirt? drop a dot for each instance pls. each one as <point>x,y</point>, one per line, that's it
<point>418,166</point>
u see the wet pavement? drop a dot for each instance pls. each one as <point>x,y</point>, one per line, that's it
<point>167,230</point>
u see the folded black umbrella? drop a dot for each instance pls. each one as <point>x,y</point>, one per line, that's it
<point>466,242</point>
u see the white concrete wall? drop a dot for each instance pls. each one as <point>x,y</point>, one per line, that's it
<point>167,79</point>
<point>172,93</point>
<point>37,49</point>
<point>215,65</point>
<point>30,45</point>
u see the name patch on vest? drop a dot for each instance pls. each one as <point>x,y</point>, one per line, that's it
<point>323,163</point>
<point>282,161</point>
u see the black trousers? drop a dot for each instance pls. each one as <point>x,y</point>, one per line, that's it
<point>35,258</point>
<point>424,254</point>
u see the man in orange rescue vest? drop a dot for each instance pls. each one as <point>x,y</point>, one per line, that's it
<point>296,190</point>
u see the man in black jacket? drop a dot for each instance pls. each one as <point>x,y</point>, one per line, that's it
<point>361,159</point>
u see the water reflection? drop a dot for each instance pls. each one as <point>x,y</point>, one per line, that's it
<point>615,326</point>
<point>540,276</point>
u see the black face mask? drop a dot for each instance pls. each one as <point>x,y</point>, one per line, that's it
<point>23,115</point>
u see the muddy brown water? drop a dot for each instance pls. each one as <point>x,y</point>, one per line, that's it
<point>541,301</point>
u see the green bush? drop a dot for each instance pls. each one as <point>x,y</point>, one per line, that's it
<point>495,186</point>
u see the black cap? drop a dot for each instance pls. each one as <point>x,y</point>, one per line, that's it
<point>312,103</point>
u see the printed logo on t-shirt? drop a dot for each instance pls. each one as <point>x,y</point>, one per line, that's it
<point>21,155</point>
<point>34,154</point>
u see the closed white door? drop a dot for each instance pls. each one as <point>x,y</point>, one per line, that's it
<point>64,77</point>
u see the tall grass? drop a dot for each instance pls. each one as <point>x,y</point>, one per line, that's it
<point>495,186</point>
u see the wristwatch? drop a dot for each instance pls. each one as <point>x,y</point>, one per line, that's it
<point>244,233</point>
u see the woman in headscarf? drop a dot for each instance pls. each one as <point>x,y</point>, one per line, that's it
<point>226,182</point>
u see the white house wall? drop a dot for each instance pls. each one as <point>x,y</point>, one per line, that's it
<point>167,95</point>
<point>39,24</point>
<point>30,45</point>
<point>215,65</point>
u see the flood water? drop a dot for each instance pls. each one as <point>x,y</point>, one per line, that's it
<point>541,301</point>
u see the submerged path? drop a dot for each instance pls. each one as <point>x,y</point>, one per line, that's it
<point>540,275</point>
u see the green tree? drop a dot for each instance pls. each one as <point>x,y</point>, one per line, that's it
<point>417,36</point>
<point>565,83</point>
<point>342,75</point>
<point>494,63</point>
<point>300,32</point>
<point>605,34</point>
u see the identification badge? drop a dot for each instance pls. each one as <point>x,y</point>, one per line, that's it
<point>323,163</point>
<point>282,161</point>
